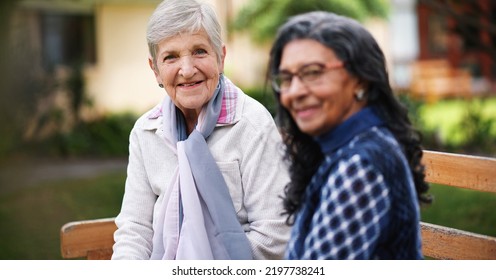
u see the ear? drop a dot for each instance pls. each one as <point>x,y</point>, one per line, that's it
<point>363,85</point>
<point>221,66</point>
<point>155,71</point>
<point>359,84</point>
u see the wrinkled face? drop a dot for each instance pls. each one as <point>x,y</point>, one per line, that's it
<point>188,68</point>
<point>325,98</point>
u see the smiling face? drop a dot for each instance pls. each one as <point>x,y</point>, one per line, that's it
<point>322,104</point>
<point>188,68</point>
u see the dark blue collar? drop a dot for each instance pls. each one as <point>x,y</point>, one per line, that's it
<point>343,133</point>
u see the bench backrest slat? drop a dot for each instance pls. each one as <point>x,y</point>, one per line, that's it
<point>92,239</point>
<point>441,242</point>
<point>463,171</point>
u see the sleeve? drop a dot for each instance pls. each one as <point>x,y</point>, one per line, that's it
<point>133,238</point>
<point>353,211</point>
<point>264,176</point>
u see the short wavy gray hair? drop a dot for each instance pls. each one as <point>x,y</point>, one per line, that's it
<point>172,17</point>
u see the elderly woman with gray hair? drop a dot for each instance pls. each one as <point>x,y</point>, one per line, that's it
<point>205,173</point>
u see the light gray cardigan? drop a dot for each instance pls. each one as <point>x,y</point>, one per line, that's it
<point>248,153</point>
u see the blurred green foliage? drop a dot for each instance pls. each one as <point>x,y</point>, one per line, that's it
<point>262,17</point>
<point>479,130</point>
<point>107,136</point>
<point>266,97</point>
<point>466,126</point>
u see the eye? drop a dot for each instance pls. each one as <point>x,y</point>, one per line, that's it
<point>311,72</point>
<point>285,77</point>
<point>200,52</point>
<point>169,58</point>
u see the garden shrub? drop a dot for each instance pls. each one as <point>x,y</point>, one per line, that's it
<point>105,136</point>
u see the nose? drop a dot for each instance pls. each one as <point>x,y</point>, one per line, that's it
<point>187,68</point>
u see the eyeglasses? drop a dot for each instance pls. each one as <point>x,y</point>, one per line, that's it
<point>308,74</point>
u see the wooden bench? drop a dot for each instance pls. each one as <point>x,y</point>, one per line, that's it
<point>93,239</point>
<point>436,79</point>
<point>89,239</point>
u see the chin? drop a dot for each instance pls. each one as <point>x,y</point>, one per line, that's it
<point>308,130</point>
<point>195,104</point>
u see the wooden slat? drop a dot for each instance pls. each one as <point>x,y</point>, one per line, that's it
<point>100,254</point>
<point>447,243</point>
<point>91,239</point>
<point>464,171</point>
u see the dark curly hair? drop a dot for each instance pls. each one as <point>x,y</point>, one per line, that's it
<point>364,59</point>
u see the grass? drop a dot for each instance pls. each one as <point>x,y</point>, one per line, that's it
<point>462,209</point>
<point>31,219</point>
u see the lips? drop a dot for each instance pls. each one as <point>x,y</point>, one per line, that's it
<point>190,84</point>
<point>305,112</point>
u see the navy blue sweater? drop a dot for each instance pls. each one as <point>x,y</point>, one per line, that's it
<point>361,203</point>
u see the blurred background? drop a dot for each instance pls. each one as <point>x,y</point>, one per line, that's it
<point>74,77</point>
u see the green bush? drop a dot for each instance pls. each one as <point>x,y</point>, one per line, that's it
<point>456,125</point>
<point>430,137</point>
<point>479,138</point>
<point>106,136</point>
<point>266,97</point>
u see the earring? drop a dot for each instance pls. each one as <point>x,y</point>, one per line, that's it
<point>161,85</point>
<point>359,94</point>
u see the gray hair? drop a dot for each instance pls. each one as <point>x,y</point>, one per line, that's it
<point>173,17</point>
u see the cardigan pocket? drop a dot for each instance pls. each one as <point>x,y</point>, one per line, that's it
<point>232,176</point>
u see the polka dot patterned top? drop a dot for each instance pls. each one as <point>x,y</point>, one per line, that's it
<point>361,203</point>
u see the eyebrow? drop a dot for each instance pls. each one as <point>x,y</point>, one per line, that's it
<point>194,47</point>
<point>302,66</point>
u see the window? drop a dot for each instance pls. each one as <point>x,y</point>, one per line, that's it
<point>67,39</point>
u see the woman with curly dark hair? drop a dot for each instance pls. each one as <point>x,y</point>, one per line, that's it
<point>356,174</point>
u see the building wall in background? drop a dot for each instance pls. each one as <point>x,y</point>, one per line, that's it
<point>121,79</point>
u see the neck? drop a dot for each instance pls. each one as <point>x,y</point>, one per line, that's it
<point>191,122</point>
<point>191,119</point>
